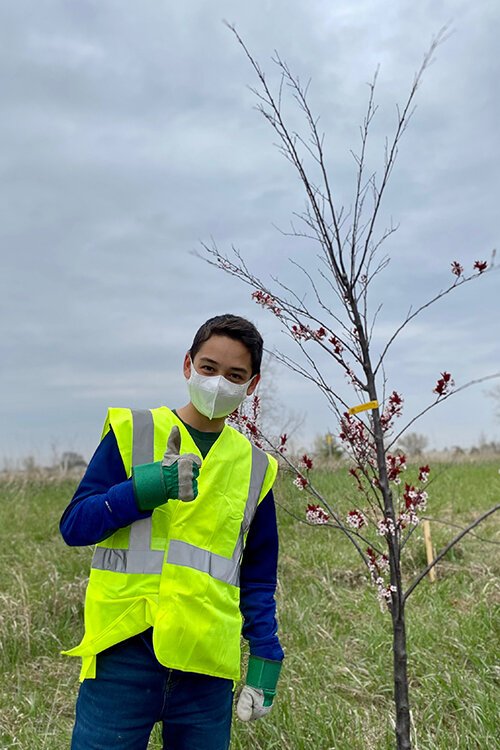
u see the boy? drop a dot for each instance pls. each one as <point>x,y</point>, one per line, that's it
<point>186,540</point>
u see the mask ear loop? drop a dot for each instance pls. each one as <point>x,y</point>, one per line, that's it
<point>247,395</point>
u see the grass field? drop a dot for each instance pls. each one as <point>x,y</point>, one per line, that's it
<point>336,690</point>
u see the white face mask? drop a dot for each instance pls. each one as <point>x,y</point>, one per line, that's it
<point>213,395</point>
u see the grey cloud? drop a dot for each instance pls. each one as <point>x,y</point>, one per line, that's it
<point>129,135</point>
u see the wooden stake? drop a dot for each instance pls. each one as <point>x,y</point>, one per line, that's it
<point>428,550</point>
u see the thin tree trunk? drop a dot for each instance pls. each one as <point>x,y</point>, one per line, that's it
<point>401,698</point>
<point>401,682</point>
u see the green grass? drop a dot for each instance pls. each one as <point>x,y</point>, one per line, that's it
<point>336,688</point>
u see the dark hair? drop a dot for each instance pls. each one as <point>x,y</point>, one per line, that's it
<point>236,328</point>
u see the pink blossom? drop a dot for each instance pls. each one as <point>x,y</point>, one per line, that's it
<point>356,519</point>
<point>300,482</point>
<point>315,514</point>
<point>385,527</point>
<point>301,332</point>
<point>393,408</point>
<point>376,564</point>
<point>337,345</point>
<point>480,265</point>
<point>351,376</point>
<point>395,399</point>
<point>319,334</point>
<point>415,499</point>
<point>395,465</point>
<point>353,432</point>
<point>415,502</point>
<point>264,299</point>
<point>282,445</point>
<point>384,592</point>
<point>456,268</point>
<point>444,384</point>
<point>248,424</point>
<point>408,518</point>
<point>383,562</point>
<point>423,474</point>
<point>306,462</point>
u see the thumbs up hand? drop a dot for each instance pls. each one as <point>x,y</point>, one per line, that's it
<point>173,478</point>
<point>180,470</point>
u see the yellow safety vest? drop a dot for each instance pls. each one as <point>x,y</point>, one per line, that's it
<point>178,570</point>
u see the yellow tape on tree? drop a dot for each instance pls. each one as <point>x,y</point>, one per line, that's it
<point>363,407</point>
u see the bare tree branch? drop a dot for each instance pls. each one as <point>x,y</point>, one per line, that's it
<point>411,315</point>
<point>403,119</point>
<point>446,549</point>
<point>440,400</point>
<point>457,526</point>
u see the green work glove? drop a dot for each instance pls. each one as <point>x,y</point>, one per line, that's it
<point>257,696</point>
<point>173,478</point>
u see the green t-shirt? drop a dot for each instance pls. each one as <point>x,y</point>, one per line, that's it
<point>203,440</point>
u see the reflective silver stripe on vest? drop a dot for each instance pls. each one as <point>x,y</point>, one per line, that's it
<point>128,560</point>
<point>143,452</point>
<point>257,476</point>
<point>226,569</point>
<point>139,557</point>
<point>143,437</point>
<point>222,568</point>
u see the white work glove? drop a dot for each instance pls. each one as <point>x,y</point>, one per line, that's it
<point>180,469</point>
<point>174,478</point>
<point>251,704</point>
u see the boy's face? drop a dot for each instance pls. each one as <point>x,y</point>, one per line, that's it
<point>222,355</point>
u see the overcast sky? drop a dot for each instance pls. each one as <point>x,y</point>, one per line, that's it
<point>129,134</point>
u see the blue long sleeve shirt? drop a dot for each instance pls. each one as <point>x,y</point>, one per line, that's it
<point>104,502</point>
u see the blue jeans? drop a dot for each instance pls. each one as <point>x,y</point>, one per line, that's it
<point>132,691</point>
